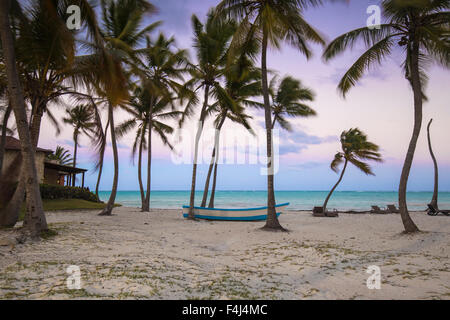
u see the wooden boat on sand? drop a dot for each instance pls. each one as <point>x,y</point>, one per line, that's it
<point>251,214</point>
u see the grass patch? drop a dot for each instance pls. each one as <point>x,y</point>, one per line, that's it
<point>72,204</point>
<point>50,233</point>
<point>68,204</point>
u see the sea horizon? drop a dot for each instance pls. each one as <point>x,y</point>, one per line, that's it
<point>298,199</point>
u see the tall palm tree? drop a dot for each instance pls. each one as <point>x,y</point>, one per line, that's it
<point>108,67</point>
<point>211,42</point>
<point>420,29</point>
<point>161,68</point>
<point>242,82</point>
<point>355,150</point>
<point>148,113</point>
<point>81,118</point>
<point>288,101</point>
<point>34,221</point>
<point>61,155</point>
<point>45,50</point>
<point>434,199</point>
<point>272,22</point>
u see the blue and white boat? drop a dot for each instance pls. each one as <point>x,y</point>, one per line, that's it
<point>251,214</point>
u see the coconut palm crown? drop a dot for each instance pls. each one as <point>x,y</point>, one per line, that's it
<point>288,100</point>
<point>356,149</point>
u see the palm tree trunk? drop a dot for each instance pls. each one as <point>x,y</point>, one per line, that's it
<point>100,168</point>
<point>75,141</point>
<point>434,200</point>
<point>3,137</point>
<point>35,221</point>
<point>272,222</point>
<point>216,160</point>
<point>208,178</point>
<point>335,186</point>
<point>146,207</point>
<point>408,223</point>
<point>197,139</point>
<point>141,187</point>
<point>213,189</point>
<point>10,213</point>
<point>107,211</point>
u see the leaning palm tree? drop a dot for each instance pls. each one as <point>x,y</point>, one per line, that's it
<point>149,114</point>
<point>81,118</point>
<point>272,22</point>
<point>355,150</point>
<point>34,221</point>
<point>434,199</point>
<point>288,101</point>
<point>211,42</point>
<point>420,29</point>
<point>107,68</point>
<point>61,155</point>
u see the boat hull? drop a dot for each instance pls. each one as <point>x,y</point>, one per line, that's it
<point>252,214</point>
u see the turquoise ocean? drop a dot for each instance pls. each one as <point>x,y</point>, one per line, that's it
<point>299,200</point>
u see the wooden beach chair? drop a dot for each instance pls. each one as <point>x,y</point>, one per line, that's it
<point>378,210</point>
<point>392,208</point>
<point>432,211</point>
<point>318,212</point>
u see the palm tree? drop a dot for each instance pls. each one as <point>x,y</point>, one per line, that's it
<point>148,113</point>
<point>101,158</point>
<point>434,199</point>
<point>211,42</point>
<point>61,155</point>
<point>34,221</point>
<point>420,29</point>
<point>272,22</point>
<point>242,82</point>
<point>160,70</point>
<point>81,118</point>
<point>107,69</point>
<point>45,50</point>
<point>287,100</point>
<point>355,149</point>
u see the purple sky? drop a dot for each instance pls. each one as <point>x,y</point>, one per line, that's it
<point>380,105</point>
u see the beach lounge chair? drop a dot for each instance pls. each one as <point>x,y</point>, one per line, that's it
<point>392,208</point>
<point>432,211</point>
<point>378,210</point>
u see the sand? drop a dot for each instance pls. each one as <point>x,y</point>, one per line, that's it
<point>134,255</point>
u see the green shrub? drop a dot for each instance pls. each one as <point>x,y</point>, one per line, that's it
<point>65,192</point>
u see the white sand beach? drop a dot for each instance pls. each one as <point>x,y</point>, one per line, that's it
<point>162,256</point>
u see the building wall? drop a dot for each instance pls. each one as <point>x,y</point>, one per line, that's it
<point>13,172</point>
<point>51,176</point>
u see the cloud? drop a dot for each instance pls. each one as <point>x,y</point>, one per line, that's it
<point>306,165</point>
<point>295,142</point>
<point>291,148</point>
<point>304,138</point>
<point>375,73</point>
